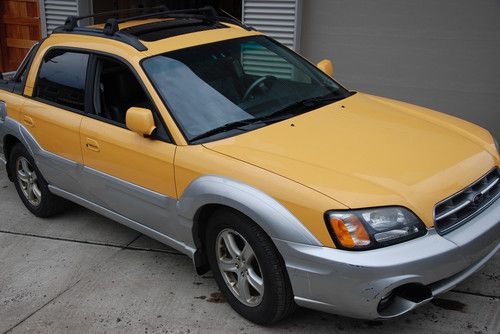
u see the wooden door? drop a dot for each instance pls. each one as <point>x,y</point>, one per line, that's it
<point>19,30</point>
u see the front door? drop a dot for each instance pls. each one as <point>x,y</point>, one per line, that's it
<point>125,172</point>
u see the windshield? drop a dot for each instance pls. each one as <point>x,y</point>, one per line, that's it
<point>221,89</point>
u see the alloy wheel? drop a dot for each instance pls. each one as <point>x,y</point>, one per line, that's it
<point>239,267</point>
<point>28,181</point>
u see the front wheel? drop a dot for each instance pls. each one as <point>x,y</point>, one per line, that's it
<point>248,268</point>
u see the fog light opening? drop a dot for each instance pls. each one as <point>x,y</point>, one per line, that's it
<point>403,299</point>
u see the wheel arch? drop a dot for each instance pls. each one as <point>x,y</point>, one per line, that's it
<point>9,141</point>
<point>12,133</point>
<point>199,230</point>
<point>210,193</point>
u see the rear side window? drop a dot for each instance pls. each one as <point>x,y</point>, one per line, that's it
<point>61,79</point>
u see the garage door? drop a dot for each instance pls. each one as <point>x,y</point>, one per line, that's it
<point>279,19</point>
<point>55,12</point>
<point>441,54</point>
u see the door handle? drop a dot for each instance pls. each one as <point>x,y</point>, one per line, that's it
<point>28,121</point>
<point>92,145</point>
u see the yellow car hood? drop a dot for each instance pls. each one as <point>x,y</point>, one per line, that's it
<point>369,151</point>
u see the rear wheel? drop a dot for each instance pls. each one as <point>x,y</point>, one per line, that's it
<point>248,268</point>
<point>31,186</point>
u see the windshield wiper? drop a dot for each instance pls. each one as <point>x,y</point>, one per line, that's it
<point>224,128</point>
<point>298,107</point>
<point>314,102</point>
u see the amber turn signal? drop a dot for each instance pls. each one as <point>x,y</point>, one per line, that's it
<point>349,231</point>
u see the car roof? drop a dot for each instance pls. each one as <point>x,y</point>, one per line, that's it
<point>168,42</point>
<point>163,31</point>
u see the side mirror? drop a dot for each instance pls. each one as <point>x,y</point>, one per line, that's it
<point>140,120</point>
<point>326,66</point>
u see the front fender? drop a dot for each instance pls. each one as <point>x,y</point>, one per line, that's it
<point>269,214</point>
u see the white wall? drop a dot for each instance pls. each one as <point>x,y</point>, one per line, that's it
<point>441,54</point>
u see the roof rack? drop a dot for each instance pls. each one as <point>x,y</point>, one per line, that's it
<point>111,28</point>
<point>72,21</point>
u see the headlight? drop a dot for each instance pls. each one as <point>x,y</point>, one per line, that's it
<point>373,228</point>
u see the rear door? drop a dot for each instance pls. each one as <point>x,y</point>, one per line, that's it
<point>53,116</point>
<point>124,171</point>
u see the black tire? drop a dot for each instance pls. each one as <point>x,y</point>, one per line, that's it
<point>277,300</point>
<point>49,204</point>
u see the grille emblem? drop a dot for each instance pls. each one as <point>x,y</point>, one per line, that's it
<point>477,199</point>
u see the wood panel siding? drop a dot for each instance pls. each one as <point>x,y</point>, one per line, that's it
<point>19,30</point>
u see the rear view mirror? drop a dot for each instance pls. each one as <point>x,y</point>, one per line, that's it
<point>140,120</point>
<point>326,66</point>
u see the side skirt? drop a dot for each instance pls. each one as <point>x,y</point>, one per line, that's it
<point>181,247</point>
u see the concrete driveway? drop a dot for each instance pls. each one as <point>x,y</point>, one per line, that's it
<point>80,272</point>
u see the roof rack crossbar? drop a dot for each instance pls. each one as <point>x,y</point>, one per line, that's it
<point>208,10</point>
<point>111,27</point>
<point>207,13</point>
<point>210,19</point>
<point>72,21</point>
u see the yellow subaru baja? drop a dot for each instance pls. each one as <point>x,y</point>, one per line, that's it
<point>218,141</point>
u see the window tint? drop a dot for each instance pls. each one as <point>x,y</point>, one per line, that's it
<point>61,78</point>
<point>116,89</point>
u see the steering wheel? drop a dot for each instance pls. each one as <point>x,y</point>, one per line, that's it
<point>259,83</point>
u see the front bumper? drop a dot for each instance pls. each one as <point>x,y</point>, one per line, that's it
<point>355,284</point>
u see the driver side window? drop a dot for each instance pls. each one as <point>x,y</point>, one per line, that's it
<point>116,89</point>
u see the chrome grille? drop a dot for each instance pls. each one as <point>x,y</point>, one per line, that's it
<point>463,206</point>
